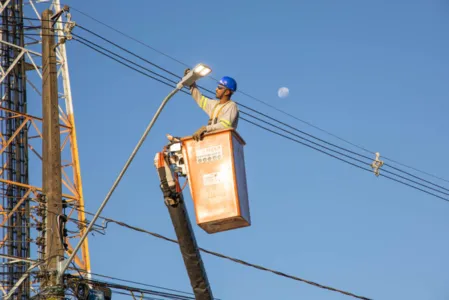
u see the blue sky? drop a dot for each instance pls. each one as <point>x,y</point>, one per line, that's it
<point>373,72</point>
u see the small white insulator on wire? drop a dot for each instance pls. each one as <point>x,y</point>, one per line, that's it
<point>376,164</point>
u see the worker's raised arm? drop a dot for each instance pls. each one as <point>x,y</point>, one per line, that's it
<point>205,103</point>
<point>229,118</point>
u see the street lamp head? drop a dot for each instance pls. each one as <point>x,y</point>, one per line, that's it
<point>196,73</point>
<point>202,70</point>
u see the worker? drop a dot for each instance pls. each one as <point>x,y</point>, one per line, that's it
<point>223,113</point>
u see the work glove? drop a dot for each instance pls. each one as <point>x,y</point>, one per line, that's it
<point>198,135</point>
<point>185,73</point>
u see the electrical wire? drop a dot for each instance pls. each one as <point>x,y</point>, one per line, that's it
<point>79,270</point>
<point>255,98</point>
<point>140,298</point>
<point>358,160</point>
<point>291,133</point>
<point>129,52</point>
<point>144,297</point>
<point>294,140</point>
<point>383,175</point>
<point>124,49</point>
<point>128,36</point>
<point>129,288</point>
<point>247,107</point>
<point>135,289</point>
<point>140,283</point>
<point>30,19</point>
<point>91,45</point>
<point>113,53</point>
<point>80,41</point>
<point>239,261</point>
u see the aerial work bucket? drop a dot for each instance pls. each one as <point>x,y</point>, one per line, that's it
<point>217,179</point>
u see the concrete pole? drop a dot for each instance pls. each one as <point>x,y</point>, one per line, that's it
<point>51,167</point>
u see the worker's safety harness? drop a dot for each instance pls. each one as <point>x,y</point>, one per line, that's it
<point>213,120</point>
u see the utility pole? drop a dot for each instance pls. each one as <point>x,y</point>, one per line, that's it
<point>51,169</point>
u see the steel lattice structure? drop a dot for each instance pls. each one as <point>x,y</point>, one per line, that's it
<point>22,211</point>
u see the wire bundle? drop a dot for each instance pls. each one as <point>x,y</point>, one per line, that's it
<point>278,127</point>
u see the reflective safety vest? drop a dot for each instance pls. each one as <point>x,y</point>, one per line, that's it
<point>214,117</point>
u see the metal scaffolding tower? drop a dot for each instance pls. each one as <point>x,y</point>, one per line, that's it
<point>23,207</point>
<point>16,228</point>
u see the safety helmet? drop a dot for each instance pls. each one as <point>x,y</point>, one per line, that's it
<point>229,83</point>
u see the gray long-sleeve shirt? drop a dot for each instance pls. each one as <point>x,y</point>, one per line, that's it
<point>222,116</point>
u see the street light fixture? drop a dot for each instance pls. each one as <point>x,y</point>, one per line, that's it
<point>198,72</point>
<point>202,69</point>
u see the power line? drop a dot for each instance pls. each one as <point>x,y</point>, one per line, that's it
<point>341,148</point>
<point>140,298</point>
<point>79,41</point>
<point>128,36</point>
<point>88,41</point>
<point>113,53</point>
<point>394,168</point>
<point>247,107</point>
<point>327,148</point>
<point>28,18</point>
<point>129,52</point>
<point>386,176</point>
<point>401,164</point>
<point>140,283</point>
<point>294,140</point>
<point>349,151</point>
<point>79,270</point>
<point>257,99</point>
<point>135,289</point>
<point>239,261</point>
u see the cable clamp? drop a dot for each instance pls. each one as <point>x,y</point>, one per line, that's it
<point>68,27</point>
<point>377,164</point>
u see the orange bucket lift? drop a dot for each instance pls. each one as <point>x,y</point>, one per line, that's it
<point>215,168</point>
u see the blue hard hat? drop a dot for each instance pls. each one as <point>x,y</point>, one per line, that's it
<point>229,83</point>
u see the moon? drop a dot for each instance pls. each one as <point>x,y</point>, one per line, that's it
<point>283,92</point>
